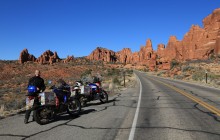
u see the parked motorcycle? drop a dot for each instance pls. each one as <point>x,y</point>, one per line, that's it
<point>49,106</point>
<point>89,92</point>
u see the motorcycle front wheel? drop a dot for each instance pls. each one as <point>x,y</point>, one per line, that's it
<point>74,107</point>
<point>104,97</point>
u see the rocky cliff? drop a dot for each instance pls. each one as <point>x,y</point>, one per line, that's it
<point>103,54</point>
<point>197,44</point>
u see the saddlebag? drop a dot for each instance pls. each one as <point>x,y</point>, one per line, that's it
<point>47,98</point>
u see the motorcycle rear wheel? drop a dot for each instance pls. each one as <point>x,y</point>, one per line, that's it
<point>74,107</point>
<point>42,115</point>
<point>83,101</point>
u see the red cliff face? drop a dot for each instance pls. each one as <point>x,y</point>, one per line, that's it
<point>217,45</point>
<point>103,55</point>
<point>146,52</point>
<point>68,59</point>
<point>124,56</point>
<point>25,56</point>
<point>198,43</point>
<point>48,57</point>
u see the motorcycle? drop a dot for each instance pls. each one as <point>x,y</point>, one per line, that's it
<point>89,92</point>
<point>49,105</point>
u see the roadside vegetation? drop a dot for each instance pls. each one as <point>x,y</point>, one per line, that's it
<point>200,71</point>
<point>14,79</point>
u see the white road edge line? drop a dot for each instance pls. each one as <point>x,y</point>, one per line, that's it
<point>131,135</point>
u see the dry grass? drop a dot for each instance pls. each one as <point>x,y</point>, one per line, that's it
<point>14,79</point>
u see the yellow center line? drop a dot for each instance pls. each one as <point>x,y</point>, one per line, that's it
<point>200,102</point>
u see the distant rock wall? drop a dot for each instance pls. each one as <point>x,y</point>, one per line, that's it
<point>198,43</point>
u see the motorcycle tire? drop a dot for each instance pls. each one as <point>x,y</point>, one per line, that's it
<point>41,116</point>
<point>74,107</point>
<point>104,97</point>
<point>83,102</point>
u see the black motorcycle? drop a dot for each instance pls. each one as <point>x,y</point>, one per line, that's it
<point>49,105</point>
<point>89,92</point>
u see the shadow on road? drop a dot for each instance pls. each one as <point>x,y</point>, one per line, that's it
<point>100,103</point>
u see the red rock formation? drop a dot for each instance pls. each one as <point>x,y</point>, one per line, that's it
<point>68,59</point>
<point>217,45</point>
<point>198,43</point>
<point>124,56</point>
<point>160,50</point>
<point>135,58</point>
<point>48,57</point>
<point>152,62</point>
<point>25,56</point>
<point>103,55</point>
<point>146,52</point>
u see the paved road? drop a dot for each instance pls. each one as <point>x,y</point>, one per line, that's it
<point>97,122</point>
<point>156,109</point>
<point>166,114</point>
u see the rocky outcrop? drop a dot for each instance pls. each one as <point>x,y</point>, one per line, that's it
<point>68,59</point>
<point>25,56</point>
<point>146,52</point>
<point>103,54</point>
<point>198,43</point>
<point>217,45</point>
<point>124,56</point>
<point>48,57</point>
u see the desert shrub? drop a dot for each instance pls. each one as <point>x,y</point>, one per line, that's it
<point>174,63</point>
<point>212,76</point>
<point>198,75</point>
<point>113,71</point>
<point>116,80</point>
<point>86,72</point>
<point>161,73</point>
<point>145,69</point>
<point>187,68</point>
<point>14,104</point>
<point>180,77</point>
<point>129,71</point>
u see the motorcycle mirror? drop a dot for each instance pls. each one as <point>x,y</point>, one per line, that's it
<point>49,82</point>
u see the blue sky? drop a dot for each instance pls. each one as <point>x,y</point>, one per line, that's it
<point>77,27</point>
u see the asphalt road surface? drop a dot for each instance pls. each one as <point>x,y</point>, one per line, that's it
<point>156,109</point>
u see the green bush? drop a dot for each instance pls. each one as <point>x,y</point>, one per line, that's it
<point>180,77</point>
<point>198,75</point>
<point>86,72</point>
<point>174,63</point>
<point>116,80</point>
<point>212,76</point>
<point>187,68</point>
<point>113,71</point>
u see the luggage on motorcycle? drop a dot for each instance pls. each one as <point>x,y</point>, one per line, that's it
<point>85,90</point>
<point>47,98</point>
<point>29,103</point>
